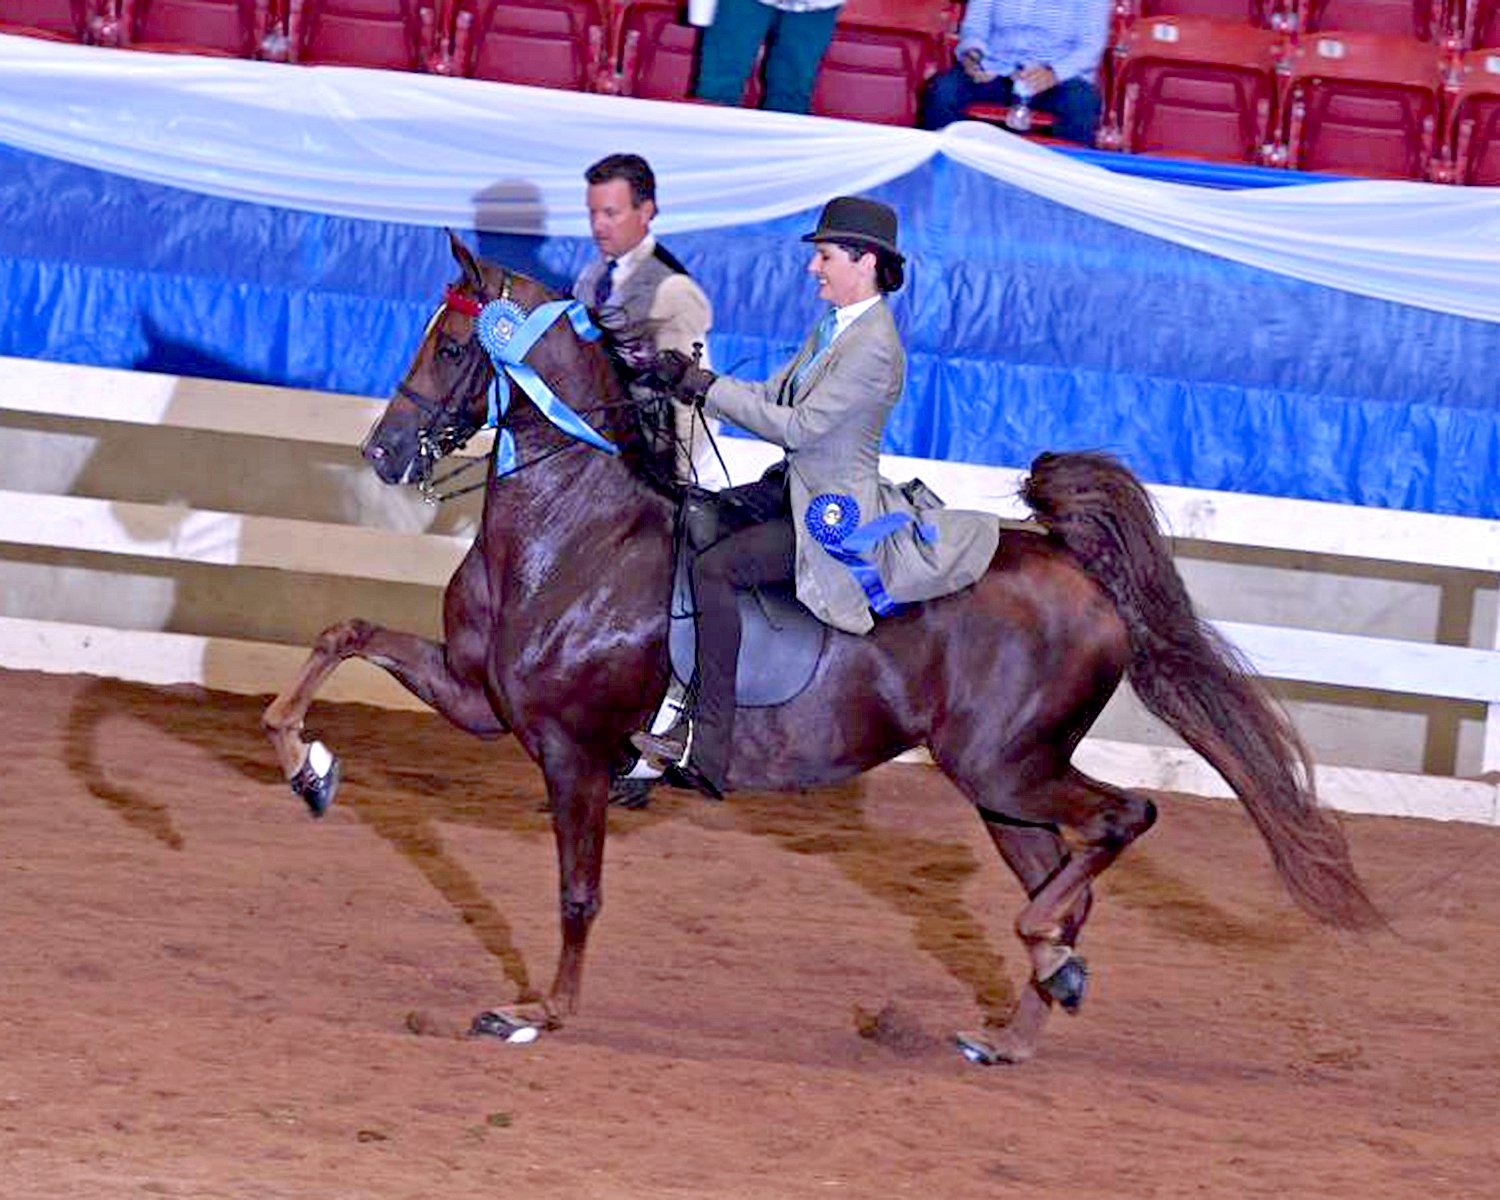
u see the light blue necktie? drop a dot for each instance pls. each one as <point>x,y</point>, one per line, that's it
<point>826,329</point>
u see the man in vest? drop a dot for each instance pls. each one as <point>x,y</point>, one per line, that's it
<point>638,286</point>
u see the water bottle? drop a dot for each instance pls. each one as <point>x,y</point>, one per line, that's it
<point>1018,116</point>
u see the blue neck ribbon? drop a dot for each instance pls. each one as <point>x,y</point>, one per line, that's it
<point>508,346</point>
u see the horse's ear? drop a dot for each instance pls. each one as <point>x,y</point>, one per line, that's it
<point>465,258</point>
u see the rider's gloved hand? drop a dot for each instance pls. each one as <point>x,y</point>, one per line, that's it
<point>682,376</point>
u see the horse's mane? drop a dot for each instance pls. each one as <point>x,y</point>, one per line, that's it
<point>651,446</point>
<point>638,414</point>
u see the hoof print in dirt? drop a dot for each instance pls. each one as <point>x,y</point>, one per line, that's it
<point>425,1024</point>
<point>894,1028</point>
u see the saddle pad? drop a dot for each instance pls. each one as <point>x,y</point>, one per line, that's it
<point>780,642</point>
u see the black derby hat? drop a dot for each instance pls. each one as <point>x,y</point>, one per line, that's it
<point>858,220</point>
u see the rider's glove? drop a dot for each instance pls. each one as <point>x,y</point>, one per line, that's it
<point>682,376</point>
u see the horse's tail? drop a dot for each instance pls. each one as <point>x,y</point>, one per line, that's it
<point>1191,678</point>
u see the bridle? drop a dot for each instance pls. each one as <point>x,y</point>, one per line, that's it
<point>507,333</point>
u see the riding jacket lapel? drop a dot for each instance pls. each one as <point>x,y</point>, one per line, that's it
<point>789,392</point>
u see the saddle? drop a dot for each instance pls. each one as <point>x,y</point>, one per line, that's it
<point>780,639</point>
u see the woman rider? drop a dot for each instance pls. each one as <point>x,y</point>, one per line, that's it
<point>823,516</point>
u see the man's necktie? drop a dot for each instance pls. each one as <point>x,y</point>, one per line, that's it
<point>605,286</point>
<point>826,329</point>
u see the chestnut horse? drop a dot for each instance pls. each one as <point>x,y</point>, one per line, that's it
<point>556,631</point>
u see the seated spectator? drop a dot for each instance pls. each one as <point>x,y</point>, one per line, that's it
<point>1041,51</point>
<point>796,34</point>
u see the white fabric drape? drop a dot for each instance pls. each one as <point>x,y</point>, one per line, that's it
<point>419,149</point>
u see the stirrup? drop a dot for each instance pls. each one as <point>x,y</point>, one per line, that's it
<point>670,748</point>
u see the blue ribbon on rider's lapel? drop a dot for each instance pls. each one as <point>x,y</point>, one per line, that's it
<point>833,522</point>
<point>508,335</point>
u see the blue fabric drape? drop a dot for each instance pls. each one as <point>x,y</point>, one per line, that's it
<point>1029,326</point>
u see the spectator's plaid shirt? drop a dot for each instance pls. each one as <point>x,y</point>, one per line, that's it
<point>1067,35</point>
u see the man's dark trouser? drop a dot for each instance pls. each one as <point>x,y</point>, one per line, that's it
<point>1076,103</point>
<point>797,42</point>
<point>765,552</point>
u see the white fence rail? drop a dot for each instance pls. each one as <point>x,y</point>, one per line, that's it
<point>91,526</point>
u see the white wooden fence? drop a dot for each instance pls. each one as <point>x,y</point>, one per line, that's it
<point>99,526</point>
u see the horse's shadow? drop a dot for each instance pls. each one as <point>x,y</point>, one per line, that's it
<point>403,804</point>
<point>494,787</point>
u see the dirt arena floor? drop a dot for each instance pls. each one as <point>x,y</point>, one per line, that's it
<point>205,993</point>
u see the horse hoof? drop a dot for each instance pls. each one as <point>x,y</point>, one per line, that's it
<point>317,782</point>
<point>986,1051</point>
<point>516,1024</point>
<point>511,1028</point>
<point>1067,984</point>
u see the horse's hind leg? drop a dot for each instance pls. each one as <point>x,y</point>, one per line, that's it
<point>1024,828</point>
<point>1104,820</point>
<point>420,665</point>
<point>1035,854</point>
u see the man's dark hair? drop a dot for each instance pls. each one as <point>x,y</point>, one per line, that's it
<point>632,168</point>
<point>890,271</point>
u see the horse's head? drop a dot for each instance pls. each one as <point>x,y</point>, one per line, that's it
<point>491,357</point>
<point>445,397</point>
<point>440,403</point>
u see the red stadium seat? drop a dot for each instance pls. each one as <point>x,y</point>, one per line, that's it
<point>233,28</point>
<point>1479,22</point>
<point>881,54</point>
<point>1262,13</point>
<point>394,34</point>
<point>1362,104</point>
<point>1195,87</point>
<point>657,50</point>
<point>51,20</point>
<point>1425,20</point>
<point>1472,142</point>
<point>546,43</point>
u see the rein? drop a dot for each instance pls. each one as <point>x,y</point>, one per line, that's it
<point>428,488</point>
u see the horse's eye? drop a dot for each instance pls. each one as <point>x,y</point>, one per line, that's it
<point>450,351</point>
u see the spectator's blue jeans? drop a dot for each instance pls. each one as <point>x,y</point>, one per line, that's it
<point>796,45</point>
<point>1074,103</point>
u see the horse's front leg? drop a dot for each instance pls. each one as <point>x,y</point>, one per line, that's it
<point>422,666</point>
<point>578,790</point>
<point>578,794</point>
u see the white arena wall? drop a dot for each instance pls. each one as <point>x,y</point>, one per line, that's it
<point>171,530</point>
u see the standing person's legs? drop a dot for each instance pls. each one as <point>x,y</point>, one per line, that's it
<point>798,43</point>
<point>1076,104</point>
<point>763,553</point>
<point>727,49</point>
<point>952,91</point>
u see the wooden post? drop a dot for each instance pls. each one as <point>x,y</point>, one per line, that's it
<point>1490,759</point>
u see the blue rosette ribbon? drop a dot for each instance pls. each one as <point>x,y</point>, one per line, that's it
<point>832,521</point>
<point>508,333</point>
